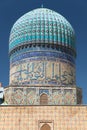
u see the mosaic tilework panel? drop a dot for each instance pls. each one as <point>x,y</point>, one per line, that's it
<point>17,56</point>
<point>42,26</point>
<point>7,95</point>
<point>21,96</point>
<point>46,91</point>
<point>43,73</point>
<point>64,97</point>
<point>31,117</point>
<point>31,95</point>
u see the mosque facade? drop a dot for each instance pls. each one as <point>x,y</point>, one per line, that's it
<point>42,93</point>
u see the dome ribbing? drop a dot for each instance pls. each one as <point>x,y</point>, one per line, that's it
<point>42,26</point>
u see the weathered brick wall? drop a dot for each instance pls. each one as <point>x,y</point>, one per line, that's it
<point>33,117</point>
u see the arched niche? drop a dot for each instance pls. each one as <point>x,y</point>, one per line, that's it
<point>45,127</point>
<point>44,99</point>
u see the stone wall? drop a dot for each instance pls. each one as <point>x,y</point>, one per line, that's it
<point>34,117</point>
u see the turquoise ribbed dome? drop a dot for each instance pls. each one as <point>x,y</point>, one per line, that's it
<point>42,26</point>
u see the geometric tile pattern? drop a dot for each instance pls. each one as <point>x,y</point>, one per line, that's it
<point>64,97</point>
<point>31,95</point>
<point>42,53</point>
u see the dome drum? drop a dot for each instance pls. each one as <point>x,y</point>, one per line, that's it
<point>56,47</point>
<point>41,51</point>
<point>42,67</point>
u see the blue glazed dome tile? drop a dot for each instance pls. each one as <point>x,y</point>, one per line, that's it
<point>42,26</point>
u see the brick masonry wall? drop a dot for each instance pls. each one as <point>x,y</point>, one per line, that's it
<point>34,117</point>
